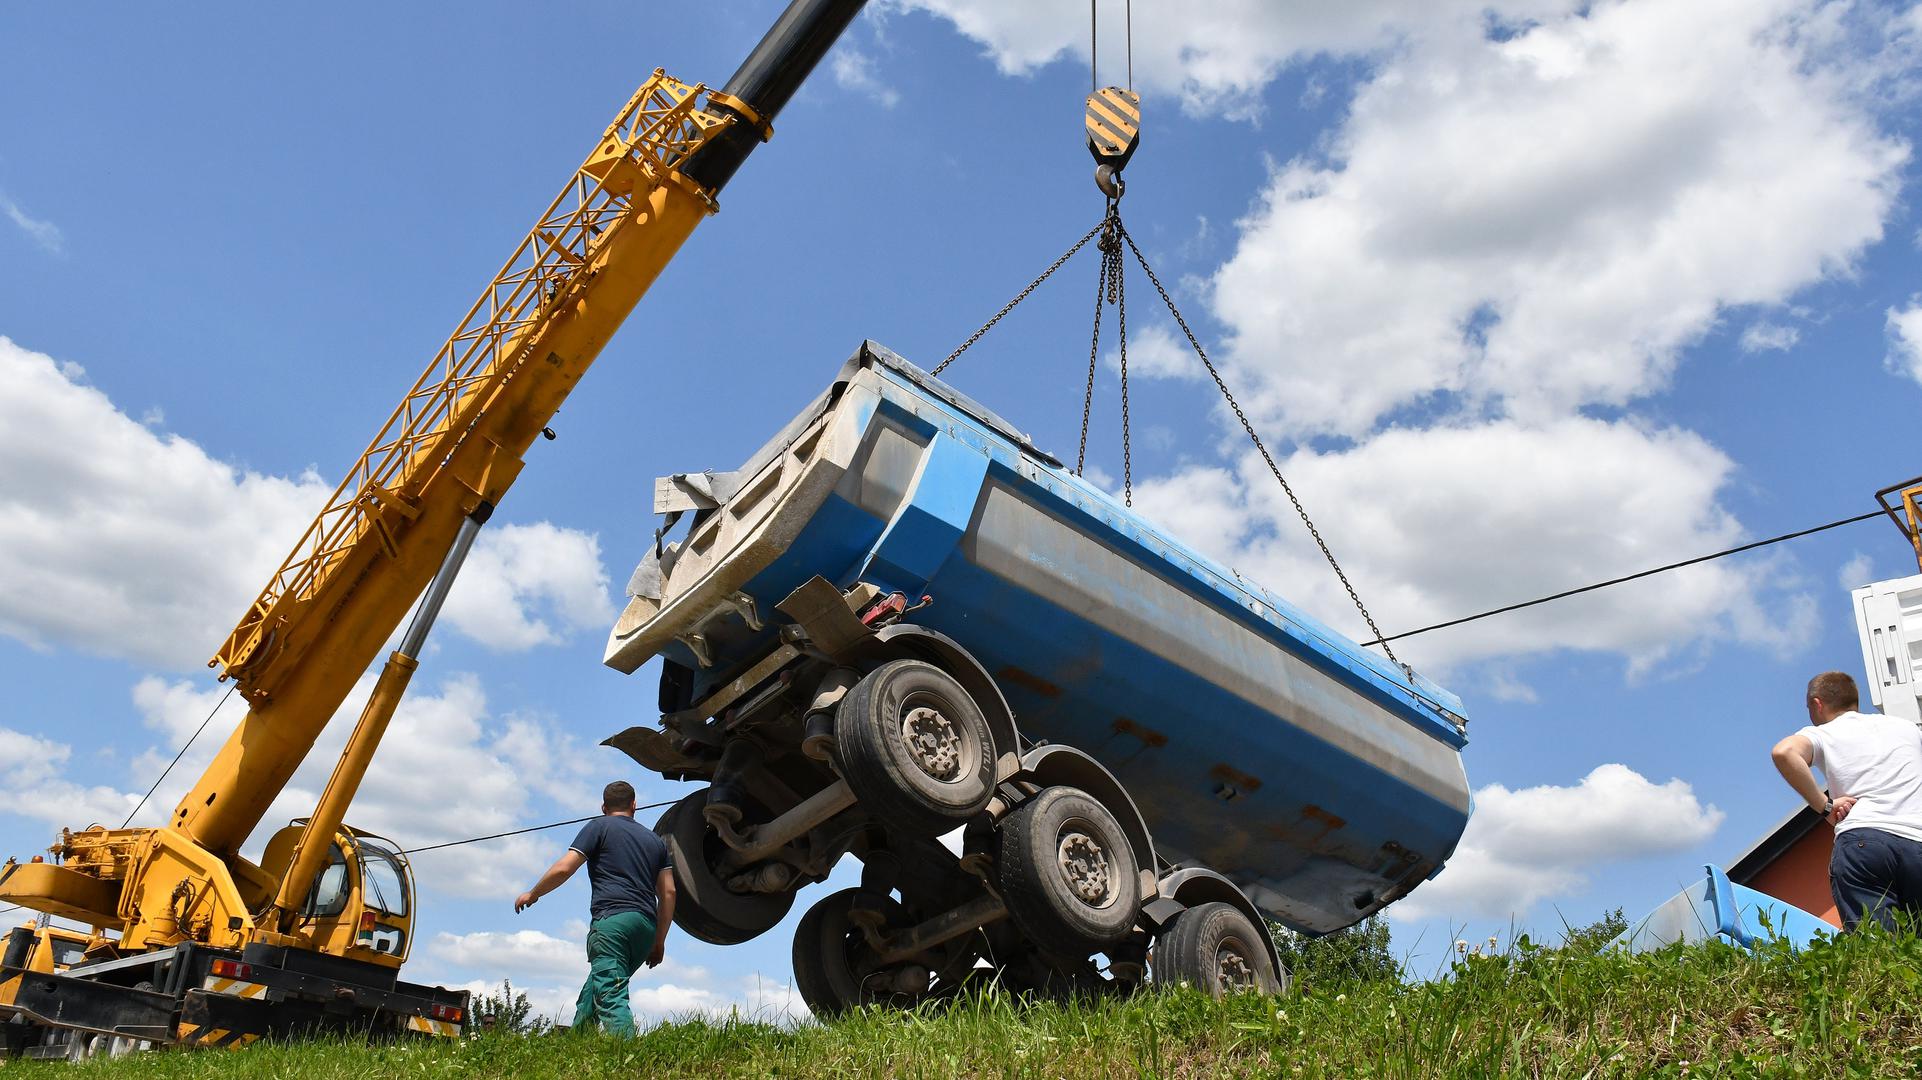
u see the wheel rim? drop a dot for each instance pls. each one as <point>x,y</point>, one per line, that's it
<point>1084,864</point>
<point>1233,969</point>
<point>934,744</point>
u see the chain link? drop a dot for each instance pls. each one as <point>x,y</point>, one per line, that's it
<point>1022,295</point>
<point>1265,456</point>
<point>1094,351</point>
<point>1118,296</point>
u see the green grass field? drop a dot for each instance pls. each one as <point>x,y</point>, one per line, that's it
<point>1848,1008</point>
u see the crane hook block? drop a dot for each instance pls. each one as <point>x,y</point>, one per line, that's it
<point>1114,126</point>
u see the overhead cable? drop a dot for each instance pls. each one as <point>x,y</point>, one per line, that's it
<point>1751,546</point>
<point>529,829</point>
<point>181,754</point>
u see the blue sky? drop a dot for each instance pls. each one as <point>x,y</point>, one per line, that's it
<point>1526,294</point>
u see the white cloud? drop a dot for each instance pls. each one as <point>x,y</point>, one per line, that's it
<point>1462,519</point>
<point>1767,336</point>
<point>124,541</point>
<point>447,769</point>
<point>527,954</point>
<point>1905,339</point>
<point>1213,57</point>
<point>550,970</point>
<point>1155,352</point>
<point>118,540</point>
<point>521,580</point>
<point>1544,222</point>
<point>1533,844</point>
<point>44,233</point>
<point>854,70</point>
<point>34,784</point>
<point>1857,572</point>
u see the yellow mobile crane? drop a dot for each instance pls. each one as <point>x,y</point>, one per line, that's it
<point>190,942</point>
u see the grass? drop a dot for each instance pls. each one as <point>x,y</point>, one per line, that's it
<point>1847,1008</point>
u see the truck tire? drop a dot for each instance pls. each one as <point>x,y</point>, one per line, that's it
<point>833,966</point>
<point>703,904</point>
<point>915,748</point>
<point>1216,949</point>
<point>1068,873</point>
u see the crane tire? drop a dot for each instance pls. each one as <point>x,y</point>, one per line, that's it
<point>703,904</point>
<point>1217,950</point>
<point>915,748</point>
<point>1068,873</point>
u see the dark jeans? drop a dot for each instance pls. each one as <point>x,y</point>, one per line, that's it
<point>1872,873</point>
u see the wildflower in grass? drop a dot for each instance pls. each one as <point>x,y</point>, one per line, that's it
<point>1341,997</point>
<point>1461,947</point>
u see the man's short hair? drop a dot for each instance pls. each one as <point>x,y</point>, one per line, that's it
<point>619,795</point>
<point>1835,689</point>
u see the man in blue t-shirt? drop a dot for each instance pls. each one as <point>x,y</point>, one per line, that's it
<point>632,879</point>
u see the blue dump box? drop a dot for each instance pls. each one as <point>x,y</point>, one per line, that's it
<point>1318,777</point>
<point>1716,907</point>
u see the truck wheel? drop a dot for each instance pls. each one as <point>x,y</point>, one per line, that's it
<point>1215,948</point>
<point>915,748</point>
<point>834,967</point>
<point>703,904</point>
<point>1068,873</point>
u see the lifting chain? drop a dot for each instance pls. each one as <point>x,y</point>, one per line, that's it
<point>1111,288</point>
<point>1266,457</point>
<point>1020,296</point>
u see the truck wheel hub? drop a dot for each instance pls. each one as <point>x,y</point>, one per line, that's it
<point>1085,866</point>
<point>1232,969</point>
<point>933,743</point>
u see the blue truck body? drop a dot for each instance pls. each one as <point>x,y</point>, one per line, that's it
<point>1320,778</point>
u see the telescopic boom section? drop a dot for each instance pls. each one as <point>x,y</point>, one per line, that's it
<point>457,440</point>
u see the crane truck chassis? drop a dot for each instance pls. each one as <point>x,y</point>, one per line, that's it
<point>190,943</point>
<point>850,625</point>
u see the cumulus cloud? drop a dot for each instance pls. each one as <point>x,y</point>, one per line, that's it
<point>1905,339</point>
<point>1463,518</point>
<point>125,541</point>
<point>34,780</point>
<point>550,969</point>
<point>1533,844</point>
<point>521,581</point>
<point>1213,57</point>
<point>447,769</point>
<point>1155,352</point>
<point>120,540</point>
<point>1541,222</point>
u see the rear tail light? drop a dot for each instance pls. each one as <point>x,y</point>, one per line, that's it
<point>449,1013</point>
<point>231,969</point>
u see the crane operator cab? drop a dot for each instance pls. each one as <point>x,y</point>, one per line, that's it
<point>361,904</point>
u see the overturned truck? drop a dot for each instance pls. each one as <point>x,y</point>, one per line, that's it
<point>1052,734</point>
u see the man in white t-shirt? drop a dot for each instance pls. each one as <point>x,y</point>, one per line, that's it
<point>1873,765</point>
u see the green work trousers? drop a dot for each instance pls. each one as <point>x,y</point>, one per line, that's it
<point>616,947</point>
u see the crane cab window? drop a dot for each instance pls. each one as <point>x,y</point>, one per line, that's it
<point>383,881</point>
<point>328,897</point>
